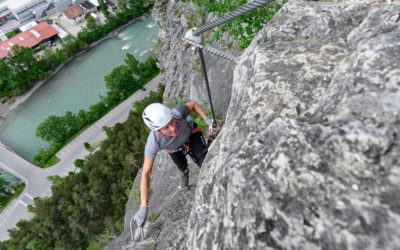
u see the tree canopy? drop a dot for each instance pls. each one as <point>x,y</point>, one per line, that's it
<point>4,186</point>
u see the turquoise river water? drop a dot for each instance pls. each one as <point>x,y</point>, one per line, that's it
<point>77,86</point>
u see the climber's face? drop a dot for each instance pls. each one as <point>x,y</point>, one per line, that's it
<point>169,129</point>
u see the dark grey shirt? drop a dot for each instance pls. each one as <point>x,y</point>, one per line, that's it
<point>157,142</point>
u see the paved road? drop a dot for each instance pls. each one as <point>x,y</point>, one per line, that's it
<point>35,178</point>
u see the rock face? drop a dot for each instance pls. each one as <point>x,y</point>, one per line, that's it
<point>169,203</point>
<point>308,157</point>
<point>181,67</point>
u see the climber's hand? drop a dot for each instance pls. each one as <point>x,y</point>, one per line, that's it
<point>141,216</point>
<point>210,122</point>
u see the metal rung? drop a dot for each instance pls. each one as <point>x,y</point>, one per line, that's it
<point>212,50</point>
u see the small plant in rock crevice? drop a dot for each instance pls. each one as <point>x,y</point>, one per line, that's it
<point>244,28</point>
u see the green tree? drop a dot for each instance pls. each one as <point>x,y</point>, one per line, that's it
<point>51,130</point>
<point>122,6</point>
<point>73,45</point>
<point>33,245</point>
<point>149,67</point>
<point>142,70</point>
<point>10,34</point>
<point>57,129</point>
<point>24,69</point>
<point>96,111</point>
<point>91,23</point>
<point>79,162</point>
<point>136,4</point>
<point>104,9</point>
<point>5,72</point>
<point>120,81</point>
<point>4,186</point>
<point>82,118</point>
<point>53,58</point>
<point>134,65</point>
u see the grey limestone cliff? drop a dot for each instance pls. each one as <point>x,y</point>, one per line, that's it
<point>308,157</point>
<point>181,66</point>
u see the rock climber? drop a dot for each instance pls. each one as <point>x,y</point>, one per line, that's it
<point>170,130</point>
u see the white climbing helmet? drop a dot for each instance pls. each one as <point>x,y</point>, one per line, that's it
<point>156,116</point>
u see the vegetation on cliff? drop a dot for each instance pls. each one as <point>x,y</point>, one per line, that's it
<point>244,28</point>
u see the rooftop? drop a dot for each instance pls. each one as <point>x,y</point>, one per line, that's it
<point>73,11</point>
<point>13,4</point>
<point>110,3</point>
<point>28,26</point>
<point>29,38</point>
<point>88,5</point>
<point>95,2</point>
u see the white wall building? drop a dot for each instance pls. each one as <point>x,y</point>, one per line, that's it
<point>3,36</point>
<point>24,10</point>
<point>62,34</point>
<point>28,26</point>
<point>74,14</point>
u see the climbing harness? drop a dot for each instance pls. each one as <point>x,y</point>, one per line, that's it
<point>188,151</point>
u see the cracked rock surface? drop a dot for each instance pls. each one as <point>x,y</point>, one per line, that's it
<point>308,157</point>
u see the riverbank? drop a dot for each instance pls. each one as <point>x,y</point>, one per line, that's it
<point>7,108</point>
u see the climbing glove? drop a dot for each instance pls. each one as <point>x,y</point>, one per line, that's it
<point>209,122</point>
<point>141,216</point>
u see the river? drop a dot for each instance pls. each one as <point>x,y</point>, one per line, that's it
<point>77,86</point>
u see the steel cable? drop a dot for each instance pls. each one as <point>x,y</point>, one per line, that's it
<point>236,13</point>
<point>212,50</point>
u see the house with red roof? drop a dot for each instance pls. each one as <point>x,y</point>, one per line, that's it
<point>29,38</point>
<point>74,14</point>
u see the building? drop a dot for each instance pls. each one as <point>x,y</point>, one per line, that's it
<point>110,4</point>
<point>95,3</point>
<point>29,38</point>
<point>73,14</point>
<point>62,4</point>
<point>62,34</point>
<point>89,7</point>
<point>3,36</point>
<point>5,13</point>
<point>24,10</point>
<point>28,26</point>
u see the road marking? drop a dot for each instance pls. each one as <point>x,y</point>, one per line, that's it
<point>23,203</point>
<point>29,196</point>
